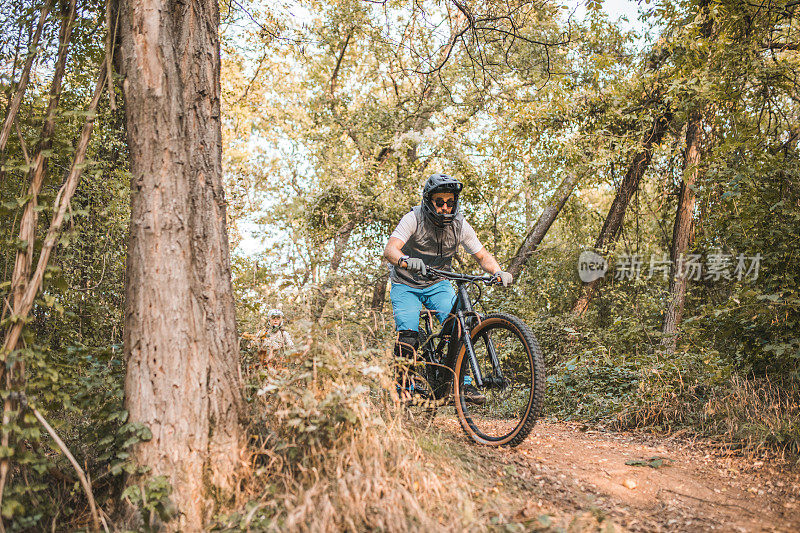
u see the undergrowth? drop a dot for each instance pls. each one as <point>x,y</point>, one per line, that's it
<point>619,376</point>
<point>759,413</point>
<point>329,452</point>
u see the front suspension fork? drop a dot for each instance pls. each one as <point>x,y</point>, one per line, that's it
<point>497,379</point>
<point>467,340</point>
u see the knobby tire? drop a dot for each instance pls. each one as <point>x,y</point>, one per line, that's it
<point>528,354</point>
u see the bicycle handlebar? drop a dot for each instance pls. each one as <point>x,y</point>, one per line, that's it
<point>455,276</point>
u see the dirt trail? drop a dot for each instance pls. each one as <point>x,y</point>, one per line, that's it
<point>563,471</point>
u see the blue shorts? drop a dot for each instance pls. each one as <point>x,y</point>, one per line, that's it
<point>407,302</point>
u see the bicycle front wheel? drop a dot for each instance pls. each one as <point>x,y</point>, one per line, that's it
<point>512,369</point>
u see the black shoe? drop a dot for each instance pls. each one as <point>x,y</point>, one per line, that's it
<point>472,395</point>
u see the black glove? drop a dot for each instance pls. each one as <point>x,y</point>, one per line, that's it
<point>414,264</point>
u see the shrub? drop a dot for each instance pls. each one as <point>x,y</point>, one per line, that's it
<point>329,452</point>
<point>760,414</point>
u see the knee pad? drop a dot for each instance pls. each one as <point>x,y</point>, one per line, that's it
<point>407,343</point>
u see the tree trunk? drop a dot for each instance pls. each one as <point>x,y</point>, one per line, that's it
<point>183,378</point>
<point>682,232</point>
<point>546,219</point>
<point>323,293</point>
<point>611,227</point>
<point>379,292</point>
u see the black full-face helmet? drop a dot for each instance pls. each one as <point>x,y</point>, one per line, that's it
<point>440,183</point>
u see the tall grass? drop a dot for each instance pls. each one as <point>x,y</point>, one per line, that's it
<point>762,414</point>
<point>330,452</point>
<point>757,415</point>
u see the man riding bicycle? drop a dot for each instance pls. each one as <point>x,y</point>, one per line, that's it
<point>429,236</point>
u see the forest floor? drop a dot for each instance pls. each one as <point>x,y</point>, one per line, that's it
<point>570,476</point>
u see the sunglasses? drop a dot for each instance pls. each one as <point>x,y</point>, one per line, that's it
<point>441,203</point>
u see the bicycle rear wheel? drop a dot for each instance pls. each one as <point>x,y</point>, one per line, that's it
<point>514,385</point>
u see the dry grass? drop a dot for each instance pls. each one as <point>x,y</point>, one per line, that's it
<point>761,414</point>
<point>333,453</point>
<point>756,415</point>
<point>663,399</point>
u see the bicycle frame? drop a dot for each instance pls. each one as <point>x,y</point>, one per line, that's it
<point>464,316</point>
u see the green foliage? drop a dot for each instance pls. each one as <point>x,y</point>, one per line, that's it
<point>71,350</point>
<point>79,392</point>
<point>151,498</point>
<point>332,123</point>
<point>353,159</point>
<point>755,321</point>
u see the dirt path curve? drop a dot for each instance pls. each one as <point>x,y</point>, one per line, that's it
<point>571,471</point>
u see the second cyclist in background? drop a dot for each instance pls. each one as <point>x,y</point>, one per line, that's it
<point>429,236</point>
<point>274,340</point>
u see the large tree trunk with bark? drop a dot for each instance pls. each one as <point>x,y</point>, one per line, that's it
<point>630,184</point>
<point>682,232</point>
<point>546,219</point>
<point>183,378</point>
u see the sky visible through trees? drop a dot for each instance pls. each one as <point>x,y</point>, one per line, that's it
<point>255,238</point>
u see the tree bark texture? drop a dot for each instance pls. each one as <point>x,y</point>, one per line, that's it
<point>546,219</point>
<point>682,232</point>
<point>379,291</point>
<point>630,184</point>
<point>183,378</point>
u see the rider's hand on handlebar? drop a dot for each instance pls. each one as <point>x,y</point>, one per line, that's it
<point>414,264</point>
<point>504,277</point>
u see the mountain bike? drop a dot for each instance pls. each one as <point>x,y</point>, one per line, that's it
<point>497,351</point>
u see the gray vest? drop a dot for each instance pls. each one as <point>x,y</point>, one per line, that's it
<point>434,245</point>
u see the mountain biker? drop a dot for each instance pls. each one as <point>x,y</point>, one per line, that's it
<point>274,339</point>
<point>429,236</point>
